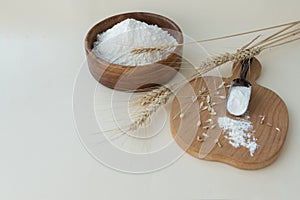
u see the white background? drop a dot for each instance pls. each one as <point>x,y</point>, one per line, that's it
<point>41,51</point>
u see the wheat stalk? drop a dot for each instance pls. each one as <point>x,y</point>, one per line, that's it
<point>168,47</point>
<point>152,100</point>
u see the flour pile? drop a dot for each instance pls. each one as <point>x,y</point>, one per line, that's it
<point>115,44</point>
<point>239,133</point>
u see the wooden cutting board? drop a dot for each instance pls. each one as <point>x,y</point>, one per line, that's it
<point>270,133</point>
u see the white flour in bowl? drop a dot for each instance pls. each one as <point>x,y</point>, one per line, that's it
<point>115,44</point>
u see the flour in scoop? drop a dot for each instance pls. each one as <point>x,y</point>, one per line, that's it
<point>115,44</point>
<point>238,100</point>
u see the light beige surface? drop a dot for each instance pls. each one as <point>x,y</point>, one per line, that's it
<point>41,46</point>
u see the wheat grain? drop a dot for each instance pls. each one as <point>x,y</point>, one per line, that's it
<point>199,123</point>
<point>212,126</point>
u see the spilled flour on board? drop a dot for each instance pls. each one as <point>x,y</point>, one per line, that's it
<point>239,133</point>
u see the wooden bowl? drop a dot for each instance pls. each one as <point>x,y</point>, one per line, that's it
<point>134,78</point>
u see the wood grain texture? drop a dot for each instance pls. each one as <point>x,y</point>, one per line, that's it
<point>263,102</point>
<point>127,78</point>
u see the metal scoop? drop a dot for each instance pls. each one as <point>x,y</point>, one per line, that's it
<point>240,91</point>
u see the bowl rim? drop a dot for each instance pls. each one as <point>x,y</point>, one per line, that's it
<point>179,40</point>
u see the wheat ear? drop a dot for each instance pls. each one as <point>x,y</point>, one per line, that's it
<point>151,49</point>
<point>150,102</point>
<point>216,61</point>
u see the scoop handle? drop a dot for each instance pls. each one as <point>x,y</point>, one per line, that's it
<point>245,67</point>
<point>253,73</point>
